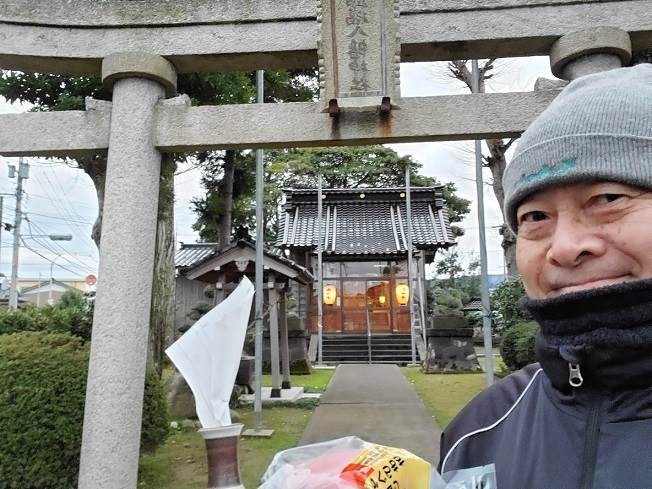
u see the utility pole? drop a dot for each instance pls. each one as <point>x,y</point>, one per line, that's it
<point>259,292</point>
<point>484,287</point>
<point>2,225</point>
<point>408,218</point>
<point>50,300</point>
<point>23,174</point>
<point>320,277</point>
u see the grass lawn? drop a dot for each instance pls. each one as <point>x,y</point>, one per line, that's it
<point>181,462</point>
<point>317,381</point>
<point>444,394</point>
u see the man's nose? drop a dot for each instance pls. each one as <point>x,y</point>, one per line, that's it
<point>574,241</point>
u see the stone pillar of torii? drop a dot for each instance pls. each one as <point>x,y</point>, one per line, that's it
<point>116,375</point>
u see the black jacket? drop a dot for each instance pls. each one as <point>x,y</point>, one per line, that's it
<point>543,433</point>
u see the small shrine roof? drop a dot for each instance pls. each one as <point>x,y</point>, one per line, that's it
<point>193,260</point>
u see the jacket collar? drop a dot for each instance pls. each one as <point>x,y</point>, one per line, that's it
<point>606,333</point>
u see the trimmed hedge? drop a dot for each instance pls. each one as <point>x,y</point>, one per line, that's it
<point>42,392</point>
<point>517,347</point>
<point>154,429</point>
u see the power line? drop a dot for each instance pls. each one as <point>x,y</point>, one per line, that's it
<point>60,218</point>
<point>72,221</point>
<point>63,257</point>
<point>51,199</point>
<point>46,258</point>
<point>49,246</point>
<point>69,215</point>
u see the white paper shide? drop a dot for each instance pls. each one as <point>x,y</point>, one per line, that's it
<point>208,355</point>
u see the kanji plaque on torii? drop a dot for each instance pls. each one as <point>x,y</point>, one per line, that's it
<point>359,54</point>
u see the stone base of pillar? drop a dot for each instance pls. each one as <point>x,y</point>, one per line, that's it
<point>222,450</point>
<point>286,385</point>
<point>275,394</point>
<point>450,350</point>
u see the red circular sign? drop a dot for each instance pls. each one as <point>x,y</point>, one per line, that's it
<point>91,280</point>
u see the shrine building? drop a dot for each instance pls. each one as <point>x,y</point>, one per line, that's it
<point>365,274</point>
<point>365,286</point>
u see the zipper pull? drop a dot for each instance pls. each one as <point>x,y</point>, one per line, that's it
<point>575,378</point>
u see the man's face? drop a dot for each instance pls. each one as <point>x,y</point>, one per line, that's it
<point>583,236</point>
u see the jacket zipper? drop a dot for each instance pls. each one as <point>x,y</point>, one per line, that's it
<point>591,441</point>
<point>575,378</point>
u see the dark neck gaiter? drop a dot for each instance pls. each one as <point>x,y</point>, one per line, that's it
<point>607,332</point>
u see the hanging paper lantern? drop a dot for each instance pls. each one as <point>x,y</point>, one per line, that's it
<point>402,294</point>
<point>330,294</point>
<point>382,299</point>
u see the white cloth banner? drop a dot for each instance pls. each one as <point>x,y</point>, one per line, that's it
<point>208,355</point>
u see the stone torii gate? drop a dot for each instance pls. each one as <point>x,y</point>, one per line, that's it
<point>138,47</point>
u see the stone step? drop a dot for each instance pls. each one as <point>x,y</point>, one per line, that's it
<point>384,362</point>
<point>380,341</point>
<point>385,348</point>
<point>354,346</point>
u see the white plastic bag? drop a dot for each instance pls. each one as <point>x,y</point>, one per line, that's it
<point>347,463</point>
<point>352,463</point>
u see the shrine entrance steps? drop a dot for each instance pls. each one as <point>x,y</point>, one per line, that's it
<point>385,349</point>
<point>377,404</point>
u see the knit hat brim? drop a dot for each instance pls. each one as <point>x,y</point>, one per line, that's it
<point>579,158</point>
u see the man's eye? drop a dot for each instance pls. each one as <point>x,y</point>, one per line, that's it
<point>609,198</point>
<point>533,216</point>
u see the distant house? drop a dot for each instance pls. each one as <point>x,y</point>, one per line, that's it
<point>4,297</point>
<point>76,283</point>
<point>37,291</point>
<point>42,292</point>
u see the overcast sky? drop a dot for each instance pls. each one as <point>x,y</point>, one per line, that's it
<point>61,200</point>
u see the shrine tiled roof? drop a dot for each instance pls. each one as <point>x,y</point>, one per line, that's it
<point>193,253</point>
<point>474,305</point>
<point>191,256</point>
<point>365,221</point>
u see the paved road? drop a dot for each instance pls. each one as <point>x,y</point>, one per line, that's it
<point>376,403</point>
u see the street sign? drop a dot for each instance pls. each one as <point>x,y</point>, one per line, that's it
<point>91,279</point>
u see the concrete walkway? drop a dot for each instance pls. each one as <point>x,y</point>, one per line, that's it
<point>378,404</point>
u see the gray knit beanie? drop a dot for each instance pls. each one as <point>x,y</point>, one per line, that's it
<point>598,128</point>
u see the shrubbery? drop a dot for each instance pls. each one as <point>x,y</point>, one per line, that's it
<point>505,308</point>
<point>42,391</point>
<point>73,314</point>
<point>517,348</point>
<point>155,413</point>
<point>449,302</point>
<point>514,325</point>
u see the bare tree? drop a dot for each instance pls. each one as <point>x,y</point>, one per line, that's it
<point>496,161</point>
